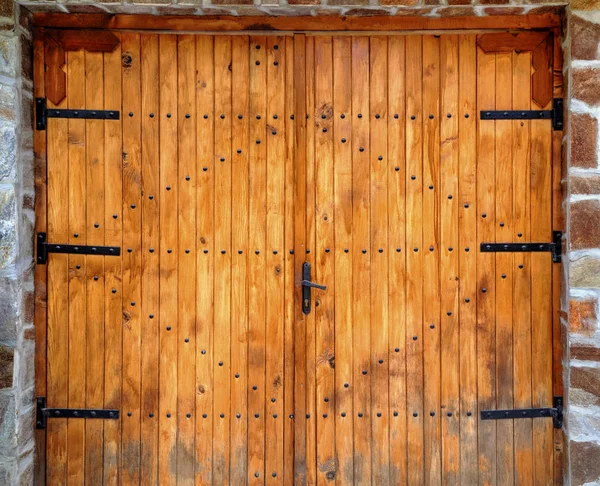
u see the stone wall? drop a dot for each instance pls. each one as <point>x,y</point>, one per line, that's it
<point>582,364</point>
<point>16,231</point>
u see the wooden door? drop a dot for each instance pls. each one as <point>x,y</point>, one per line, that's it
<point>236,160</point>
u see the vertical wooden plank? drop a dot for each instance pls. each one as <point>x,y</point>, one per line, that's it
<point>504,274</point>
<point>432,445</point>
<point>361,294</point>
<point>449,258</point>
<point>113,221</point>
<point>342,153</point>
<point>323,270</point>
<point>40,277</point>
<point>150,259</point>
<point>58,306</point>
<point>299,251</point>
<point>467,228</point>
<point>257,184</point>
<point>414,259</point>
<point>186,332</point>
<point>380,420</point>
<point>521,178</point>
<point>222,281</point>
<point>205,260</point>
<point>168,224</point>
<point>77,267</point>
<point>95,268</point>
<point>275,141</point>
<point>240,66</point>
<point>396,170</point>
<point>541,284</point>
<point>289,295</point>
<point>310,251</point>
<point>131,255</point>
<point>486,361</point>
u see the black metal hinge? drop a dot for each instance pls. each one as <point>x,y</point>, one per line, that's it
<point>555,114</point>
<point>555,247</point>
<point>42,113</point>
<point>555,413</point>
<point>43,248</point>
<point>43,413</point>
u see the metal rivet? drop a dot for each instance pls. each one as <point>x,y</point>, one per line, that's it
<point>342,116</point>
<point>484,215</point>
<point>168,328</point>
<point>96,278</point>
<point>168,188</point>
<point>222,116</point>
<point>378,116</point>
<point>484,290</point>
<point>151,115</point>
<point>396,168</point>
<point>187,115</point>
<point>343,140</point>
<point>431,117</point>
<point>467,300</point>
<point>415,414</point>
<point>360,115</point>
<point>222,415</point>
<point>343,414</point>
<point>187,340</point>
<point>168,415</point>
<point>257,63</point>
<point>413,117</point>
<point>413,177</point>
<point>449,196</point>
<point>360,414</point>
<point>131,113</point>
<point>380,157</point>
<point>414,338</point>
<point>205,116</point>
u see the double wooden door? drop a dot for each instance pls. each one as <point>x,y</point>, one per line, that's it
<point>235,161</point>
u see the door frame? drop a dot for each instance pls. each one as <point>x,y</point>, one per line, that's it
<point>86,24</point>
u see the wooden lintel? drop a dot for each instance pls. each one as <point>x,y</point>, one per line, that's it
<point>304,24</point>
<point>511,41</point>
<point>90,40</point>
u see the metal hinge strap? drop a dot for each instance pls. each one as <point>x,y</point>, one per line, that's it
<point>555,114</point>
<point>42,113</point>
<point>555,247</point>
<point>555,413</point>
<point>43,413</point>
<point>43,248</point>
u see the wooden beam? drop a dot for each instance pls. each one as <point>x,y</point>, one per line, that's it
<point>304,24</point>
<point>511,41</point>
<point>90,40</point>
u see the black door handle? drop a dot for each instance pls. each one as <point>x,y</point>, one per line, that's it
<point>306,286</point>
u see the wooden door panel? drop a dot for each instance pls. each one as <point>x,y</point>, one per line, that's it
<point>239,158</point>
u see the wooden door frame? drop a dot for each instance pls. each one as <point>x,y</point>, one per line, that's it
<point>86,24</point>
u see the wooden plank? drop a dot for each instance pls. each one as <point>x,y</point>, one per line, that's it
<point>186,332</point>
<point>521,180</point>
<point>95,268</point>
<point>55,78</point>
<point>541,287</point>
<point>510,41</point>
<point>343,251</point>
<point>257,185</point>
<point>205,257</point>
<point>396,168</point>
<point>486,363</point>
<point>432,445</point>
<point>449,255</point>
<point>57,333</point>
<point>379,249</point>
<point>289,297</point>
<point>89,40</point>
<point>299,252</point>
<point>40,276</point>
<point>274,333</point>
<point>221,23</point>
<point>113,221</point>
<point>323,270</point>
<point>414,258</point>
<point>131,260</point>
<point>77,267</point>
<point>150,259</point>
<point>467,227</point>
<point>361,259</point>
<point>222,282</point>
<point>168,224</point>
<point>239,233</point>
<point>504,267</point>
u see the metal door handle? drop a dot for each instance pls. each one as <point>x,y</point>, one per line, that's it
<point>306,286</point>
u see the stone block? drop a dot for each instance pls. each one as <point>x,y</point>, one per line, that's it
<point>585,85</point>
<point>587,379</point>
<point>26,429</point>
<point>583,317</point>
<point>8,103</point>
<point>585,4</point>
<point>584,272</point>
<point>26,354</point>
<point>585,224</point>
<point>585,39</point>
<point>585,466</point>
<point>7,366</point>
<point>585,184</point>
<point>8,425</point>
<point>8,225</point>
<point>26,57</point>
<point>584,141</point>
<point>9,309</point>
<point>6,9</point>
<point>232,2</point>
<point>8,154</point>
<point>8,55</point>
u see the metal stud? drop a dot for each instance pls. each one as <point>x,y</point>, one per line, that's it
<point>380,157</point>
<point>205,116</point>
<point>343,140</point>
<point>415,338</point>
<point>187,115</point>
<point>413,117</point>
